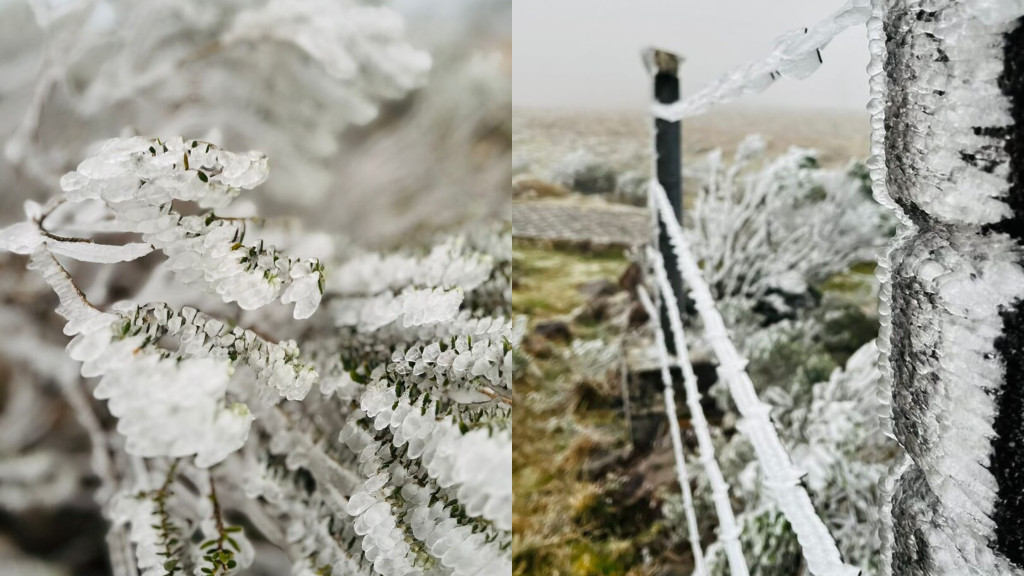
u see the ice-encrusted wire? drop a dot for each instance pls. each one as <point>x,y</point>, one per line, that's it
<point>699,568</point>
<point>782,479</point>
<point>796,54</point>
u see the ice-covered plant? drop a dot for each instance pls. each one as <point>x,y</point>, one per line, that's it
<point>766,229</point>
<point>399,464</point>
<point>287,74</point>
<point>836,438</point>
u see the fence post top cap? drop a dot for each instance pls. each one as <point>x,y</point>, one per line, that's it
<point>658,61</point>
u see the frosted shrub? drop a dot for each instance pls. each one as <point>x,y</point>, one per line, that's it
<point>768,228</point>
<point>289,74</point>
<point>835,437</point>
<point>376,442</point>
<point>768,236</point>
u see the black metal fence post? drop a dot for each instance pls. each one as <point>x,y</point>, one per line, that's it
<point>664,67</point>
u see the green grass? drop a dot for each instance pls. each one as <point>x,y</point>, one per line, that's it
<point>562,521</point>
<point>547,277</point>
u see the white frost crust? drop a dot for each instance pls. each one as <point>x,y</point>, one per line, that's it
<point>942,103</point>
<point>876,108</point>
<point>781,477</point>
<point>416,307</point>
<point>959,287</point>
<point>945,278</point>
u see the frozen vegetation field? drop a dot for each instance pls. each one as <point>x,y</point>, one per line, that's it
<point>596,491</point>
<point>821,435</point>
<point>543,138</point>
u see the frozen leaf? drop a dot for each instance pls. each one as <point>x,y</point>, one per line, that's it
<point>100,253</point>
<point>21,238</point>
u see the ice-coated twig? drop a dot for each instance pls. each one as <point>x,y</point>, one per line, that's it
<point>782,479</point>
<point>796,54</point>
<point>475,464</point>
<point>277,365</point>
<point>724,518</point>
<point>414,307</point>
<point>142,180</point>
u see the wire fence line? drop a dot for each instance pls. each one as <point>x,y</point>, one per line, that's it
<point>729,531</point>
<point>796,55</point>
<point>781,477</point>
<point>677,445</point>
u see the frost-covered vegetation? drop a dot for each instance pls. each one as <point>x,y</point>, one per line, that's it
<point>806,319</point>
<point>781,242</point>
<point>946,83</point>
<point>259,394</point>
<point>765,238</point>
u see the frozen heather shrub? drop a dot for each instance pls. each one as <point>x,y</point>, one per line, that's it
<point>372,438</point>
<point>195,66</point>
<point>835,436</point>
<point>334,91</point>
<point>766,230</point>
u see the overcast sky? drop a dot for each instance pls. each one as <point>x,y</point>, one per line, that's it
<point>586,53</point>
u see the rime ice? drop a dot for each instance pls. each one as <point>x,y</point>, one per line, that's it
<point>953,281</point>
<point>794,55</point>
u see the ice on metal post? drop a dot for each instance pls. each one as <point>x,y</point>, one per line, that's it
<point>663,67</point>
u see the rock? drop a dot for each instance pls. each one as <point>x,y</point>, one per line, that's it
<point>631,278</point>
<point>612,308</point>
<point>601,461</point>
<point>537,346</point>
<point>553,330</point>
<point>586,175</point>
<point>596,288</point>
<point>637,316</point>
<point>631,188</point>
<point>529,186</point>
<point>674,567</point>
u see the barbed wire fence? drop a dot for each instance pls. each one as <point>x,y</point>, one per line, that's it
<point>913,542</point>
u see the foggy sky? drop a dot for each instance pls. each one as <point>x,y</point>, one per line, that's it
<point>585,53</point>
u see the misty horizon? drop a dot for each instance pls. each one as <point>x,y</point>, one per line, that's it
<point>585,54</point>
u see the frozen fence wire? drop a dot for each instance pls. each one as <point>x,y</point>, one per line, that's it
<point>677,449</point>
<point>796,54</point>
<point>729,532</point>
<point>782,479</point>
